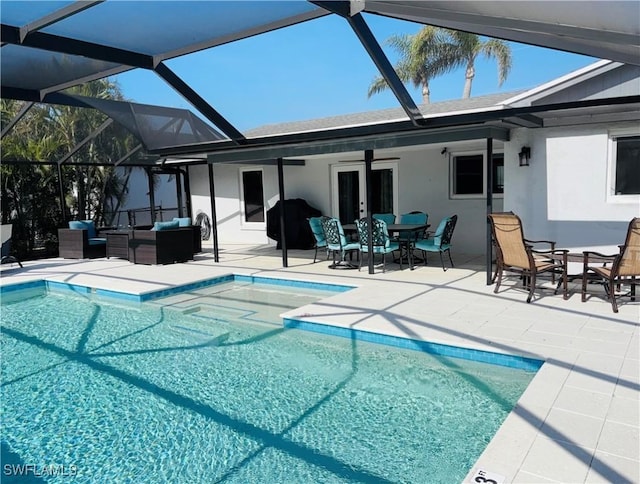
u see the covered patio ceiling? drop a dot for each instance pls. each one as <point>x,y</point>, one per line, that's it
<point>68,43</point>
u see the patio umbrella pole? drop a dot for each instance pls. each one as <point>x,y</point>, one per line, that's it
<point>368,159</point>
<point>214,217</point>
<point>489,206</point>
<point>283,239</point>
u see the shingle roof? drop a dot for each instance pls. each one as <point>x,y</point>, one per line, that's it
<point>380,116</point>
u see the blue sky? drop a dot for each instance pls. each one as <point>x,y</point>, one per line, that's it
<point>319,68</point>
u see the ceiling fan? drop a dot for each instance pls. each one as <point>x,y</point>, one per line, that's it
<point>390,158</point>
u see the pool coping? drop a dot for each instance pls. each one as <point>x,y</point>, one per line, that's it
<point>489,357</point>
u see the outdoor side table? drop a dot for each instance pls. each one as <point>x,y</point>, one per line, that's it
<point>118,244</point>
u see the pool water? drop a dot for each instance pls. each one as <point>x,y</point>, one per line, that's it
<point>168,394</point>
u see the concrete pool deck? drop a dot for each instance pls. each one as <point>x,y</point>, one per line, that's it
<point>579,419</point>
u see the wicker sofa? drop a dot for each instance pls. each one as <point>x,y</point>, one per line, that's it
<point>161,246</point>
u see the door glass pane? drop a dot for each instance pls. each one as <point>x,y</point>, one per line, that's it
<point>253,196</point>
<point>382,191</point>
<point>348,196</point>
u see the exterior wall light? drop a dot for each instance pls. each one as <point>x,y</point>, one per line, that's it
<point>524,156</point>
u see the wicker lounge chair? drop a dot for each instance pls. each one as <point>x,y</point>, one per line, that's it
<point>82,240</point>
<point>624,269</point>
<point>514,253</point>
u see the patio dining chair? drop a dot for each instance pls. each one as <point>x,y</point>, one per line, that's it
<point>338,244</point>
<point>624,268</point>
<point>6,232</point>
<point>381,242</point>
<point>516,254</point>
<point>389,218</point>
<point>315,223</point>
<point>441,241</point>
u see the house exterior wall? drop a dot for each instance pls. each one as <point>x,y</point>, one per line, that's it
<point>423,185</point>
<point>562,195</point>
<point>231,229</point>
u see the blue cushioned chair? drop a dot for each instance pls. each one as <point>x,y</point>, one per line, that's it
<point>412,218</point>
<point>441,241</point>
<point>81,240</point>
<point>389,218</point>
<point>337,243</point>
<point>318,233</point>
<point>381,241</point>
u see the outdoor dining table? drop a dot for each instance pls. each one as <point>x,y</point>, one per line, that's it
<point>405,245</point>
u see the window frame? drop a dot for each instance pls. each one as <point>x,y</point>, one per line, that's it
<point>452,175</point>
<point>612,153</point>
<point>243,215</point>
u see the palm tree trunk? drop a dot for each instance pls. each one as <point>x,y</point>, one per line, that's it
<point>468,80</point>
<point>425,93</point>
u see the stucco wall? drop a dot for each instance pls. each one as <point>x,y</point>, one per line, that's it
<point>562,195</point>
<point>228,204</point>
<point>423,185</point>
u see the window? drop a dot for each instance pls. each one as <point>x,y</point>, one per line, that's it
<point>253,196</point>
<point>468,175</point>
<point>626,165</point>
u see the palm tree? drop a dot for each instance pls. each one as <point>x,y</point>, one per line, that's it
<point>434,51</point>
<point>419,60</point>
<point>463,48</point>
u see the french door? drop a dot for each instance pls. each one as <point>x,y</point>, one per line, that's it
<point>349,196</point>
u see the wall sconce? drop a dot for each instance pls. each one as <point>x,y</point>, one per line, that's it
<point>524,156</point>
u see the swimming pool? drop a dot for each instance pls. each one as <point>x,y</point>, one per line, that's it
<point>155,393</point>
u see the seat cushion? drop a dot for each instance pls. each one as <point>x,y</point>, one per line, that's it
<point>97,241</point>
<point>173,224</point>
<point>183,221</point>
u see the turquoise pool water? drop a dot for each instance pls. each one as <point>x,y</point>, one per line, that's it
<point>180,393</point>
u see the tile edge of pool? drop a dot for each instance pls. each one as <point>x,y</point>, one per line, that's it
<point>501,359</point>
<point>512,361</point>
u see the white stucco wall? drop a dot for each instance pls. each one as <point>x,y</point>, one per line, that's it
<point>562,195</point>
<point>423,185</point>
<point>231,229</point>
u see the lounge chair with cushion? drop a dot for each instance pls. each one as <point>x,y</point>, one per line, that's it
<point>624,268</point>
<point>82,240</point>
<point>441,241</point>
<point>381,241</point>
<point>6,232</point>
<point>516,254</point>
